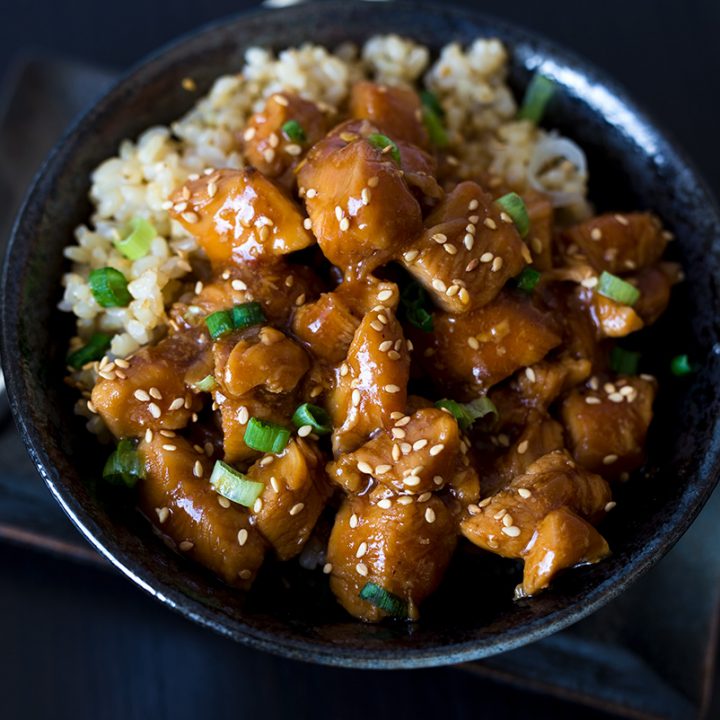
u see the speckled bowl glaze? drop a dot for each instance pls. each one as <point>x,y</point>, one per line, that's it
<point>290,611</point>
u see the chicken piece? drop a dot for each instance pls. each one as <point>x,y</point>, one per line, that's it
<point>328,325</point>
<point>240,215</point>
<point>395,111</point>
<point>295,494</point>
<point>540,239</point>
<point>153,390</point>
<point>178,499</point>
<point>417,455</point>
<point>467,252</point>
<point>465,486</point>
<point>562,540</point>
<point>606,428</point>
<point>654,284</point>
<point>404,549</point>
<point>362,211</point>
<point>619,243</point>
<point>469,353</point>
<point>371,383</point>
<point>541,384</point>
<point>507,523</point>
<point>277,286</point>
<point>259,357</point>
<point>269,148</point>
<point>611,318</point>
<point>419,170</point>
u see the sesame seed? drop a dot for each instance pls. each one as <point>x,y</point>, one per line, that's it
<point>419,444</point>
<point>496,264</point>
<point>405,500</point>
<point>627,390</point>
<point>512,531</point>
<point>249,134</point>
<point>163,513</point>
<point>506,218</point>
<point>394,355</point>
<point>365,196</point>
<point>257,506</point>
<point>176,404</point>
<point>362,550</point>
<point>472,265</point>
<point>154,392</point>
<point>268,155</point>
<point>355,398</point>
<point>148,435</point>
<point>384,295</point>
<point>438,480</point>
<point>154,410</point>
<point>522,447</point>
<point>376,326</point>
<point>238,285</point>
<point>327,568</point>
<point>198,469</point>
<point>410,255</point>
<point>186,545</point>
<point>439,285</point>
<point>353,521</point>
<point>304,430</point>
<point>486,257</point>
<point>412,481</point>
<point>450,249</point>
<point>490,223</point>
<point>169,448</point>
<point>612,504</point>
<point>382,318</point>
<point>242,536</point>
<point>591,400</point>
<point>297,508</point>
<point>589,283</point>
<point>430,515</point>
<point>373,182</point>
<point>596,234</point>
<point>437,449</point>
<point>524,493</point>
<point>385,504</point>
<point>293,149</point>
<point>453,290</point>
<point>398,433</point>
<point>141,395</point>
<point>392,389</point>
<point>361,569</point>
<point>385,345</point>
<point>473,205</point>
<point>507,520</point>
<point>622,220</point>
<point>245,574</point>
<point>311,193</point>
<point>464,296</point>
<point>615,397</point>
<point>382,469</point>
<point>243,415</point>
<point>364,467</point>
<point>473,509</point>
<point>190,217</point>
<point>344,224</point>
<point>500,514</point>
<point>209,448</point>
<point>485,502</point>
<point>609,459</point>
<point>439,238</point>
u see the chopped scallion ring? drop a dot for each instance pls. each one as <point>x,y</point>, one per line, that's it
<point>613,287</point>
<point>207,384</point>
<point>413,298</point>
<point>137,236</point>
<point>467,413</point>
<point>124,467</point>
<point>266,436</point>
<point>109,287</point>
<point>247,314</point>
<point>537,96</point>
<point>514,206</point>
<point>383,141</point>
<point>235,486</point>
<point>680,365</point>
<point>430,100</point>
<point>384,600</point>
<point>420,318</point>
<point>294,132</point>
<point>219,323</point>
<point>528,279</point>
<point>316,417</point>
<point>93,350</point>
<point>624,362</point>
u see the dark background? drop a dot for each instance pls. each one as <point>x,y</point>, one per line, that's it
<point>83,643</point>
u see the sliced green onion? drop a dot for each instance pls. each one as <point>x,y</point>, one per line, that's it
<point>435,129</point>
<point>124,467</point>
<point>234,486</point>
<point>247,314</point>
<point>420,318</point>
<point>514,206</point>
<point>680,365</point>
<point>109,287</point>
<point>412,299</point>
<point>624,362</point>
<point>384,600</point>
<point>430,100</point>
<point>293,130</point>
<point>207,384</point>
<point>93,350</point>
<point>613,287</point>
<point>528,279</point>
<point>316,417</point>
<point>467,413</point>
<point>219,323</point>
<point>537,96</point>
<point>266,436</point>
<point>383,141</point>
<point>137,236</point>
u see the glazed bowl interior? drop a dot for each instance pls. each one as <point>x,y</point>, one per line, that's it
<point>291,611</point>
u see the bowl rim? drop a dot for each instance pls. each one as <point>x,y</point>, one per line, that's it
<point>308,648</point>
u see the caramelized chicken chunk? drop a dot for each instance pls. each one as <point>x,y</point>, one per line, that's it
<point>403,549</point>
<point>178,499</point>
<point>612,319</point>
<point>562,540</point>
<point>296,490</point>
<point>361,208</point>
<point>273,146</point>
<point>475,350</point>
<point>371,383</point>
<point>654,284</point>
<point>619,243</point>
<point>395,111</point>
<point>240,215</point>
<point>153,390</point>
<point>418,454</point>
<point>467,251</point>
<point>606,428</point>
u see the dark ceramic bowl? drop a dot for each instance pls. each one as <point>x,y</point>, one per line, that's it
<point>290,611</point>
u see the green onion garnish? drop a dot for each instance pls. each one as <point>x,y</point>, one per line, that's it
<point>207,384</point>
<point>680,365</point>
<point>514,206</point>
<point>109,287</point>
<point>537,96</point>
<point>383,141</point>
<point>93,350</point>
<point>434,127</point>
<point>124,466</point>
<point>386,601</point>
<point>219,323</point>
<point>528,279</point>
<point>234,486</point>
<point>467,413</point>
<point>412,299</point>
<point>266,436</point>
<point>613,287</point>
<point>624,362</point>
<point>137,236</point>
<point>430,100</point>
<point>316,417</point>
<point>293,131</point>
<point>247,314</point>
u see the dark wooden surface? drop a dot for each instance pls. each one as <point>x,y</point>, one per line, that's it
<point>82,642</point>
